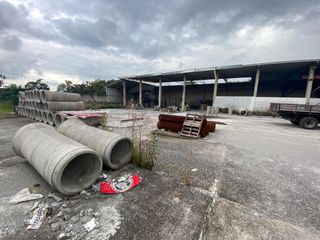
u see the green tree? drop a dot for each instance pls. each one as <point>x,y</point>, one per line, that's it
<point>10,93</point>
<point>36,85</point>
<point>61,87</point>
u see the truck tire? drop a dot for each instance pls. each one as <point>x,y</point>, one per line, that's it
<point>308,122</point>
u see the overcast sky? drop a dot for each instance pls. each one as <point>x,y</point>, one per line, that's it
<point>85,40</point>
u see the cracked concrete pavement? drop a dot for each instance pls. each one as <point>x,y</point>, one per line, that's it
<point>255,178</point>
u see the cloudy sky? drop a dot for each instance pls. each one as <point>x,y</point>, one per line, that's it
<point>85,40</point>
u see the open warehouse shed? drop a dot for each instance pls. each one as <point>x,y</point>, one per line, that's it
<point>252,86</point>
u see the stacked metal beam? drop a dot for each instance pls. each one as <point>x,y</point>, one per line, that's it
<point>174,123</point>
<point>42,105</point>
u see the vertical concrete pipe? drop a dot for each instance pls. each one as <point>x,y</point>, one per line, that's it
<point>65,164</point>
<point>64,106</point>
<point>49,96</point>
<point>115,150</point>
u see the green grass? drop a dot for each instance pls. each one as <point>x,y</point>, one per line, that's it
<point>6,107</point>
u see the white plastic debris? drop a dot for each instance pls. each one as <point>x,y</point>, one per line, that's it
<point>39,215</point>
<point>89,226</point>
<point>194,170</point>
<point>24,195</point>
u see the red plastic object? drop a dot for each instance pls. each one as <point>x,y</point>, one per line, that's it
<point>121,185</point>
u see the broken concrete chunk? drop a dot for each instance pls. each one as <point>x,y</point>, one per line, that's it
<point>89,226</point>
<point>61,236</point>
<point>38,217</point>
<point>85,193</point>
<point>24,195</point>
<point>56,226</point>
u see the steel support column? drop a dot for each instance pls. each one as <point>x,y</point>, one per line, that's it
<point>124,93</point>
<point>160,93</point>
<point>310,83</point>
<point>215,89</point>
<point>140,92</point>
<point>183,107</point>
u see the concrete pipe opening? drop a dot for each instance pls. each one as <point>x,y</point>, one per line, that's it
<point>79,171</point>
<point>59,118</point>
<point>243,112</point>
<point>43,96</point>
<point>120,154</point>
<point>50,118</point>
<point>37,96</point>
<point>32,116</point>
<point>36,115</point>
<point>44,117</point>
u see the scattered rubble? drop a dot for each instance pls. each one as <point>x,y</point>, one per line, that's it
<point>24,195</point>
<point>89,226</point>
<point>38,217</point>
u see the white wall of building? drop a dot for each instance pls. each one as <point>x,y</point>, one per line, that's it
<point>113,95</point>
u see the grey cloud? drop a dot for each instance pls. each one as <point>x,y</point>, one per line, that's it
<point>146,35</point>
<point>11,42</point>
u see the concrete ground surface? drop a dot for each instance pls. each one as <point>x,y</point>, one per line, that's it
<point>255,178</point>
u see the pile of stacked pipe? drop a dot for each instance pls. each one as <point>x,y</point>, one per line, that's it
<point>43,105</point>
<point>174,123</point>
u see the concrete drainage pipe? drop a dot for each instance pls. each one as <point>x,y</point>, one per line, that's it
<point>36,96</point>
<point>65,164</point>
<point>49,96</point>
<point>64,106</point>
<point>21,96</point>
<point>60,118</point>
<point>243,112</point>
<point>115,150</point>
<point>50,118</point>
<point>44,117</point>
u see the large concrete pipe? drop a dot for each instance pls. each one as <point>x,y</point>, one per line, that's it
<point>65,164</point>
<point>33,114</point>
<point>50,118</point>
<point>64,106</point>
<point>60,118</point>
<point>44,117</point>
<point>21,96</point>
<point>49,96</point>
<point>115,150</point>
<point>27,95</point>
<point>37,115</point>
<point>36,95</point>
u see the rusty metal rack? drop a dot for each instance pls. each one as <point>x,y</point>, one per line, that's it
<point>192,125</point>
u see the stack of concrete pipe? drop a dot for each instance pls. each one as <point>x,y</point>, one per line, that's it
<point>43,105</point>
<point>71,158</point>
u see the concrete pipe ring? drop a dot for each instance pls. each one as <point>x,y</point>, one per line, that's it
<point>243,112</point>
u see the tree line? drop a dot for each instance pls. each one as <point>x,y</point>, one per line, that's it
<point>10,93</point>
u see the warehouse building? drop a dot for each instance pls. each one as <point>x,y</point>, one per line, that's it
<point>252,87</point>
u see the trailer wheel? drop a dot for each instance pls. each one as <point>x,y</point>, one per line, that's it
<point>308,122</point>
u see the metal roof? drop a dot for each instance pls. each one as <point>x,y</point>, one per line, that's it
<point>232,71</point>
